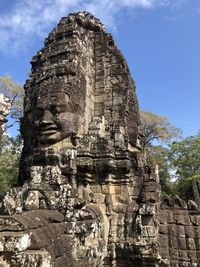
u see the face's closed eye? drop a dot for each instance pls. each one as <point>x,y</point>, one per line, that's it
<point>39,112</point>
<point>56,110</point>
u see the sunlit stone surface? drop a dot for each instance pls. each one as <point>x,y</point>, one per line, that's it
<point>85,195</point>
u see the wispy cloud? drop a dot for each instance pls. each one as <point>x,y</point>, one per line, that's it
<point>28,20</point>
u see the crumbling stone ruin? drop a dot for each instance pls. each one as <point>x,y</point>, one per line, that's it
<point>5,105</point>
<point>85,195</point>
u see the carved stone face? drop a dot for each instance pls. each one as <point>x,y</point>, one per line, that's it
<point>5,105</point>
<point>54,119</point>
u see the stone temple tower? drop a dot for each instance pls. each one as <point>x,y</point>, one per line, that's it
<point>85,195</point>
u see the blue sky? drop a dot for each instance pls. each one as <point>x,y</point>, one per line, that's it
<point>160,39</point>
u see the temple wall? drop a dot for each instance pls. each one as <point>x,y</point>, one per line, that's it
<point>179,233</point>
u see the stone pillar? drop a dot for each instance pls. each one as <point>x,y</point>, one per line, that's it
<point>4,111</point>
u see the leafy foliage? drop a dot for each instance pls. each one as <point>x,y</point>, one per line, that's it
<point>185,157</point>
<point>156,127</point>
<point>10,148</point>
<point>9,161</point>
<point>14,91</point>
<point>158,155</point>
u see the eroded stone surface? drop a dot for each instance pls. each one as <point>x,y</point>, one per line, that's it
<point>179,232</point>
<point>85,195</point>
<point>5,105</point>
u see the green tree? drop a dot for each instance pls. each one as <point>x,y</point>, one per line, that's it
<point>10,148</point>
<point>158,133</point>
<point>158,128</point>
<point>14,91</point>
<point>9,162</point>
<point>185,157</point>
<point>158,155</point>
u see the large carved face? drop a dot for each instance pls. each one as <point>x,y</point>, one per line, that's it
<point>54,119</point>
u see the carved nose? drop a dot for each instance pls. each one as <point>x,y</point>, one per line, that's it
<point>46,118</point>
